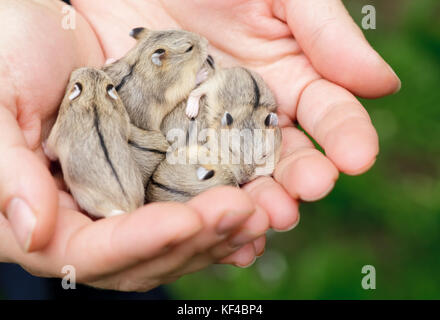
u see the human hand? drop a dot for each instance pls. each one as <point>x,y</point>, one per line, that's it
<point>153,245</point>
<point>314,58</point>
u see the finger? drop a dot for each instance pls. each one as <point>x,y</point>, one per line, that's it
<point>283,213</point>
<point>235,257</point>
<point>339,123</point>
<point>259,245</point>
<point>28,194</point>
<point>100,250</point>
<point>66,200</point>
<point>223,216</point>
<point>243,258</point>
<point>250,229</point>
<point>253,228</point>
<point>124,241</point>
<point>220,218</point>
<point>337,48</point>
<point>123,18</point>
<point>303,171</point>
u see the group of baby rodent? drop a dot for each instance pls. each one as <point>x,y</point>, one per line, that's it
<point>112,135</point>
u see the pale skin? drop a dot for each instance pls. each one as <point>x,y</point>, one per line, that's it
<point>311,54</point>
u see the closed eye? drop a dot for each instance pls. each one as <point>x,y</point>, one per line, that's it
<point>159,51</point>
<point>189,49</point>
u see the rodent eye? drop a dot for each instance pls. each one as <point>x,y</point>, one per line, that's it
<point>271,120</point>
<point>156,57</point>
<point>76,91</point>
<point>112,92</point>
<point>189,49</point>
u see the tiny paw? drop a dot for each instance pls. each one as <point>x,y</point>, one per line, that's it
<point>192,107</point>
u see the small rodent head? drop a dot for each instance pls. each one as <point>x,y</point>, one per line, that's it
<point>170,51</point>
<point>255,138</point>
<point>249,110</point>
<point>91,86</point>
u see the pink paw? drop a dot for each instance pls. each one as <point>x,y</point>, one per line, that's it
<point>192,107</point>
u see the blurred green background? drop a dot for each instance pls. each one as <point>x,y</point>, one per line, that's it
<point>388,217</point>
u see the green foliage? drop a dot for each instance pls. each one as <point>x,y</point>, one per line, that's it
<point>389,217</point>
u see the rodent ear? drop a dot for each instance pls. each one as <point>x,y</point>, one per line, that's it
<point>157,56</point>
<point>111,91</point>
<point>204,174</point>
<point>138,32</point>
<point>227,119</point>
<point>75,91</point>
<point>271,120</point>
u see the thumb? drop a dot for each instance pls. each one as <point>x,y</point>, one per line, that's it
<point>28,194</point>
<point>337,47</point>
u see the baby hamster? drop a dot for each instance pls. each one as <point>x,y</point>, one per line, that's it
<point>158,73</point>
<point>240,101</point>
<point>238,105</point>
<point>90,139</point>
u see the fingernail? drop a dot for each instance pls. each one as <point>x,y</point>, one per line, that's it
<point>259,254</point>
<point>241,239</point>
<point>248,265</point>
<point>293,226</point>
<point>398,87</point>
<point>230,221</point>
<point>22,221</point>
<point>400,82</point>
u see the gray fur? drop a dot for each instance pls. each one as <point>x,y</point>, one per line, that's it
<point>90,139</point>
<point>148,149</point>
<point>228,90</point>
<point>180,182</point>
<point>151,91</point>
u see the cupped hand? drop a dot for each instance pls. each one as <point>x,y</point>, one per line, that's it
<point>154,245</point>
<point>42,229</point>
<point>314,58</point>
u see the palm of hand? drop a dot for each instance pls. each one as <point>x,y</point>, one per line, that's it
<point>264,43</point>
<point>115,253</point>
<point>241,32</point>
<point>247,33</point>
